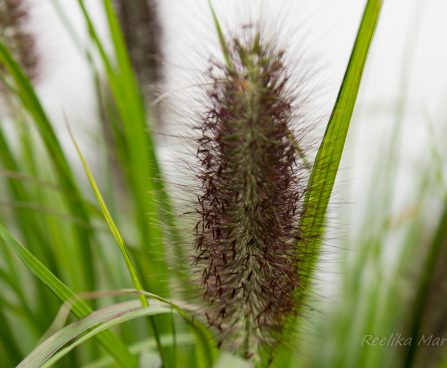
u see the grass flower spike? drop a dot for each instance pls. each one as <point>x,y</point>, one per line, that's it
<point>251,181</point>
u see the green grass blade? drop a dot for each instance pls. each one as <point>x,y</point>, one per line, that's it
<point>90,326</point>
<point>142,168</point>
<point>80,309</point>
<point>28,223</point>
<point>328,158</point>
<point>72,195</point>
<point>118,237</point>
<point>125,316</point>
<point>206,346</point>
<point>139,132</point>
<point>109,220</point>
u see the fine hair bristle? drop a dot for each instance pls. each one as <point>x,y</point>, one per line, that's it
<point>251,185</point>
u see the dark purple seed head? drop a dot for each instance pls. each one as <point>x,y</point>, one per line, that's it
<point>250,180</point>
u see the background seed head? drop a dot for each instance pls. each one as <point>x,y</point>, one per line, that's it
<point>13,33</point>
<point>142,30</point>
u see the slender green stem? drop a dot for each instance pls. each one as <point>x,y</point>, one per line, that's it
<point>328,158</point>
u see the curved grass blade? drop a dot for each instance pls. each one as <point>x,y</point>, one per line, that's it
<point>328,158</point>
<point>124,317</point>
<point>79,308</point>
<point>118,237</point>
<point>48,352</point>
<point>206,346</point>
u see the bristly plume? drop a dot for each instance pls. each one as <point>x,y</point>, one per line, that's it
<point>252,183</point>
<point>142,31</point>
<point>13,33</point>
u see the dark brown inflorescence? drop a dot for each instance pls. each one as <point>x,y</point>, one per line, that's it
<point>142,31</point>
<point>13,33</point>
<point>249,202</point>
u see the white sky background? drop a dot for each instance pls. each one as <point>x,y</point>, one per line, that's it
<point>326,30</point>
